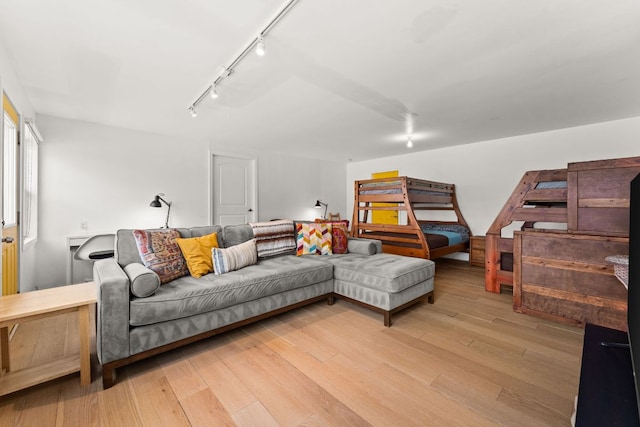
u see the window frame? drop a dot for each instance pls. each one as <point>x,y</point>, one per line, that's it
<point>30,146</point>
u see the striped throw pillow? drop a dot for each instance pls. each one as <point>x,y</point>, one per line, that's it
<point>274,237</point>
<point>235,257</point>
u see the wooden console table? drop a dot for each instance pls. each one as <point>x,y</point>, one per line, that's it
<point>35,305</point>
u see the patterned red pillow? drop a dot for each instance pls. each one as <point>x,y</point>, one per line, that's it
<point>340,235</point>
<point>160,253</point>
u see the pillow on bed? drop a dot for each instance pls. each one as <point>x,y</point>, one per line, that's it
<point>161,254</point>
<point>235,257</point>
<point>313,239</point>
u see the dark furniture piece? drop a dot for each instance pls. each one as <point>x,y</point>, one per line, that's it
<point>607,395</point>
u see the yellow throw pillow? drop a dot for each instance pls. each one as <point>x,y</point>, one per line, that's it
<point>197,253</point>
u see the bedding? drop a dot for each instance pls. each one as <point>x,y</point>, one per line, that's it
<point>454,234</point>
<point>398,191</point>
<point>551,184</point>
<point>373,189</point>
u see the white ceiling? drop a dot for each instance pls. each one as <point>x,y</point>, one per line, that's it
<point>339,77</point>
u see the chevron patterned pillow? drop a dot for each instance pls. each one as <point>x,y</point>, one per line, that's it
<point>313,239</point>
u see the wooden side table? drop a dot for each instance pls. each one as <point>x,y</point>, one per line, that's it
<point>35,305</point>
<point>477,251</point>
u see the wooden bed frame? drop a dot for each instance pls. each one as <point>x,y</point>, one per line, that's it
<point>408,196</point>
<point>562,274</point>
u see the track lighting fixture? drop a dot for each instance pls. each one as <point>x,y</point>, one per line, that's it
<point>257,42</point>
<point>260,46</point>
<point>409,142</point>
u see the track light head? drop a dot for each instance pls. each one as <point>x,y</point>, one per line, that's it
<point>260,46</point>
<point>214,92</point>
<point>409,142</point>
<point>193,112</point>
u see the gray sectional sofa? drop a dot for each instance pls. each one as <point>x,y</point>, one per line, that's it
<point>187,309</point>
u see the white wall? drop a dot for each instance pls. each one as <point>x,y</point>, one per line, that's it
<point>10,84</point>
<point>107,176</point>
<point>289,187</point>
<point>486,173</point>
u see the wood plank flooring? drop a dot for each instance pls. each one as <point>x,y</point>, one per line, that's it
<point>466,360</point>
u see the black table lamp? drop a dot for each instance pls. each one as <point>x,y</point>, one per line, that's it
<point>319,204</point>
<point>155,203</point>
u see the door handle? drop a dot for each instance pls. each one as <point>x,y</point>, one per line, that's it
<point>250,210</point>
<point>7,240</point>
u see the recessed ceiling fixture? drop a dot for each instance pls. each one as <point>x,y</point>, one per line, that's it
<point>257,42</point>
<point>409,128</point>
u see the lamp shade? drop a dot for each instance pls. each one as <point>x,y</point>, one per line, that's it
<point>320,204</point>
<point>155,203</point>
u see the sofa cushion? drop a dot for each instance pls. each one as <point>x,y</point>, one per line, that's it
<point>197,253</point>
<point>386,272</point>
<point>188,296</point>
<point>313,239</point>
<point>126,250</point>
<point>235,257</point>
<point>274,237</point>
<point>235,234</point>
<point>160,253</point>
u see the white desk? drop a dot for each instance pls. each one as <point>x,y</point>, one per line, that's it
<point>73,243</point>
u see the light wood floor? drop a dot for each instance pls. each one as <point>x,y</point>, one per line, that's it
<point>466,360</point>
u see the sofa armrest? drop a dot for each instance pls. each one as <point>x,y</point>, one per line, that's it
<point>112,329</point>
<point>364,246</point>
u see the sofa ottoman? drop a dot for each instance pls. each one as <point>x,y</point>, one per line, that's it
<point>384,283</point>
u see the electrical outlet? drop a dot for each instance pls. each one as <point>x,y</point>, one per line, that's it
<point>83,225</point>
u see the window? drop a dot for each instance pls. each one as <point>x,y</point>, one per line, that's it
<point>30,183</point>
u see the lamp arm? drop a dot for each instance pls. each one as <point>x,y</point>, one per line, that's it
<point>165,202</point>
<point>166,222</point>
<point>326,206</point>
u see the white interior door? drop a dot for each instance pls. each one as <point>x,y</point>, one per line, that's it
<point>234,190</point>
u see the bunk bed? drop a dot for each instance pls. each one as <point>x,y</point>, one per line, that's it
<point>421,238</point>
<point>567,222</point>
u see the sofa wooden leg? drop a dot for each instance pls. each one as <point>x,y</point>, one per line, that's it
<point>387,318</point>
<point>430,298</point>
<point>108,376</point>
<point>331,300</point>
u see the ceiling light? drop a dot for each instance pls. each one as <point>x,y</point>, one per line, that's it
<point>409,142</point>
<point>260,46</point>
<point>258,43</point>
<point>214,92</point>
